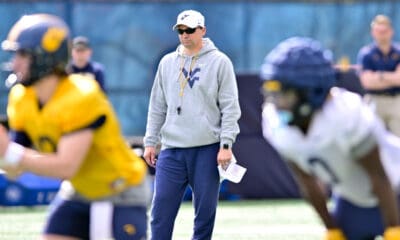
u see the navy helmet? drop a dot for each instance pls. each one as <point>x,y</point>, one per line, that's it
<point>303,64</point>
<point>45,38</point>
<point>297,75</point>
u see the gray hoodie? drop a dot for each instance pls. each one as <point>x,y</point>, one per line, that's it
<point>206,113</point>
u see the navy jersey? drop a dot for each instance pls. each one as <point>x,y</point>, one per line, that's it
<point>371,58</point>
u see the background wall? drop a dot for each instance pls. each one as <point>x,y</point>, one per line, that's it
<point>129,37</point>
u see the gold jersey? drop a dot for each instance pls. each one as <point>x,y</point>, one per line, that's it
<point>110,165</point>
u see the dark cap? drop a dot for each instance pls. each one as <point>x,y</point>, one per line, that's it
<point>80,42</point>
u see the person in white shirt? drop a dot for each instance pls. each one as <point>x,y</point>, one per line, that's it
<point>328,135</point>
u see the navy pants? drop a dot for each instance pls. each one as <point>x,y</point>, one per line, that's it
<point>72,218</point>
<point>177,168</point>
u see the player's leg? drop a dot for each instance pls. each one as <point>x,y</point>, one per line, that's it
<point>67,220</point>
<point>398,201</point>
<point>358,223</point>
<point>130,222</point>
<point>205,182</point>
<point>169,186</point>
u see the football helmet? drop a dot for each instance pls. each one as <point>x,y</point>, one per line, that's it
<point>45,38</point>
<point>299,73</point>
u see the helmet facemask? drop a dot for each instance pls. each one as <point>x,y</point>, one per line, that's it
<point>44,64</point>
<point>295,105</point>
<point>304,71</point>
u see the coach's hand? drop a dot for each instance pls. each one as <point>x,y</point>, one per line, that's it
<point>392,233</point>
<point>334,234</point>
<point>224,157</point>
<point>150,156</point>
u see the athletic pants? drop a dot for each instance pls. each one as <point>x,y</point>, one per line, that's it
<point>176,168</point>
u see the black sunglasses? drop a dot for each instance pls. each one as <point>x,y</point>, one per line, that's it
<point>187,30</point>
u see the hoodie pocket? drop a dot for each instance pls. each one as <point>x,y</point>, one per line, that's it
<point>186,131</point>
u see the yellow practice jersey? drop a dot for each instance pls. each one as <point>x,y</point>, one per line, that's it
<point>110,165</point>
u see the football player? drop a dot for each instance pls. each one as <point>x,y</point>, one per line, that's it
<point>63,126</point>
<point>328,135</point>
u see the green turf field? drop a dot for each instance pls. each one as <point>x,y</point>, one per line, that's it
<point>239,220</point>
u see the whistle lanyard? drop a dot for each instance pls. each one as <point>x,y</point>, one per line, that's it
<point>184,80</point>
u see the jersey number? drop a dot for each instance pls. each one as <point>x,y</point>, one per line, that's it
<point>317,162</point>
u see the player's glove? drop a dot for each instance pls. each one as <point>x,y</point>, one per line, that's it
<point>392,233</point>
<point>335,234</point>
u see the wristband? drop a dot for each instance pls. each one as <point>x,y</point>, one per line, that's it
<point>392,233</point>
<point>13,154</point>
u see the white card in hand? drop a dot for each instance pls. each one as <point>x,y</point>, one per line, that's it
<point>234,172</point>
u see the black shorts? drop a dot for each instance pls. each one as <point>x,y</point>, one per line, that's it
<point>72,218</point>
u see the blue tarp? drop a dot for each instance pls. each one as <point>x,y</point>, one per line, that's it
<point>27,190</point>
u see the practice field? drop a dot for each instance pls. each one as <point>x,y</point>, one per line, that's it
<point>238,220</point>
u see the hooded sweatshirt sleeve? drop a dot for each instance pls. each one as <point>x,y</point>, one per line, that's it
<point>157,111</point>
<point>228,100</point>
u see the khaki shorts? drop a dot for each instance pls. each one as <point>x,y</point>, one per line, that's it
<point>388,108</point>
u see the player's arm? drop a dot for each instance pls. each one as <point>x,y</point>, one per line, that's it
<point>384,192</point>
<point>314,194</point>
<point>71,151</point>
<point>23,139</point>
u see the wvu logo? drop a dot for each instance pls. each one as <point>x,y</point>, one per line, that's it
<point>191,78</point>
<point>118,185</point>
<point>53,38</point>
<point>46,144</point>
<point>129,229</point>
<point>185,16</point>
